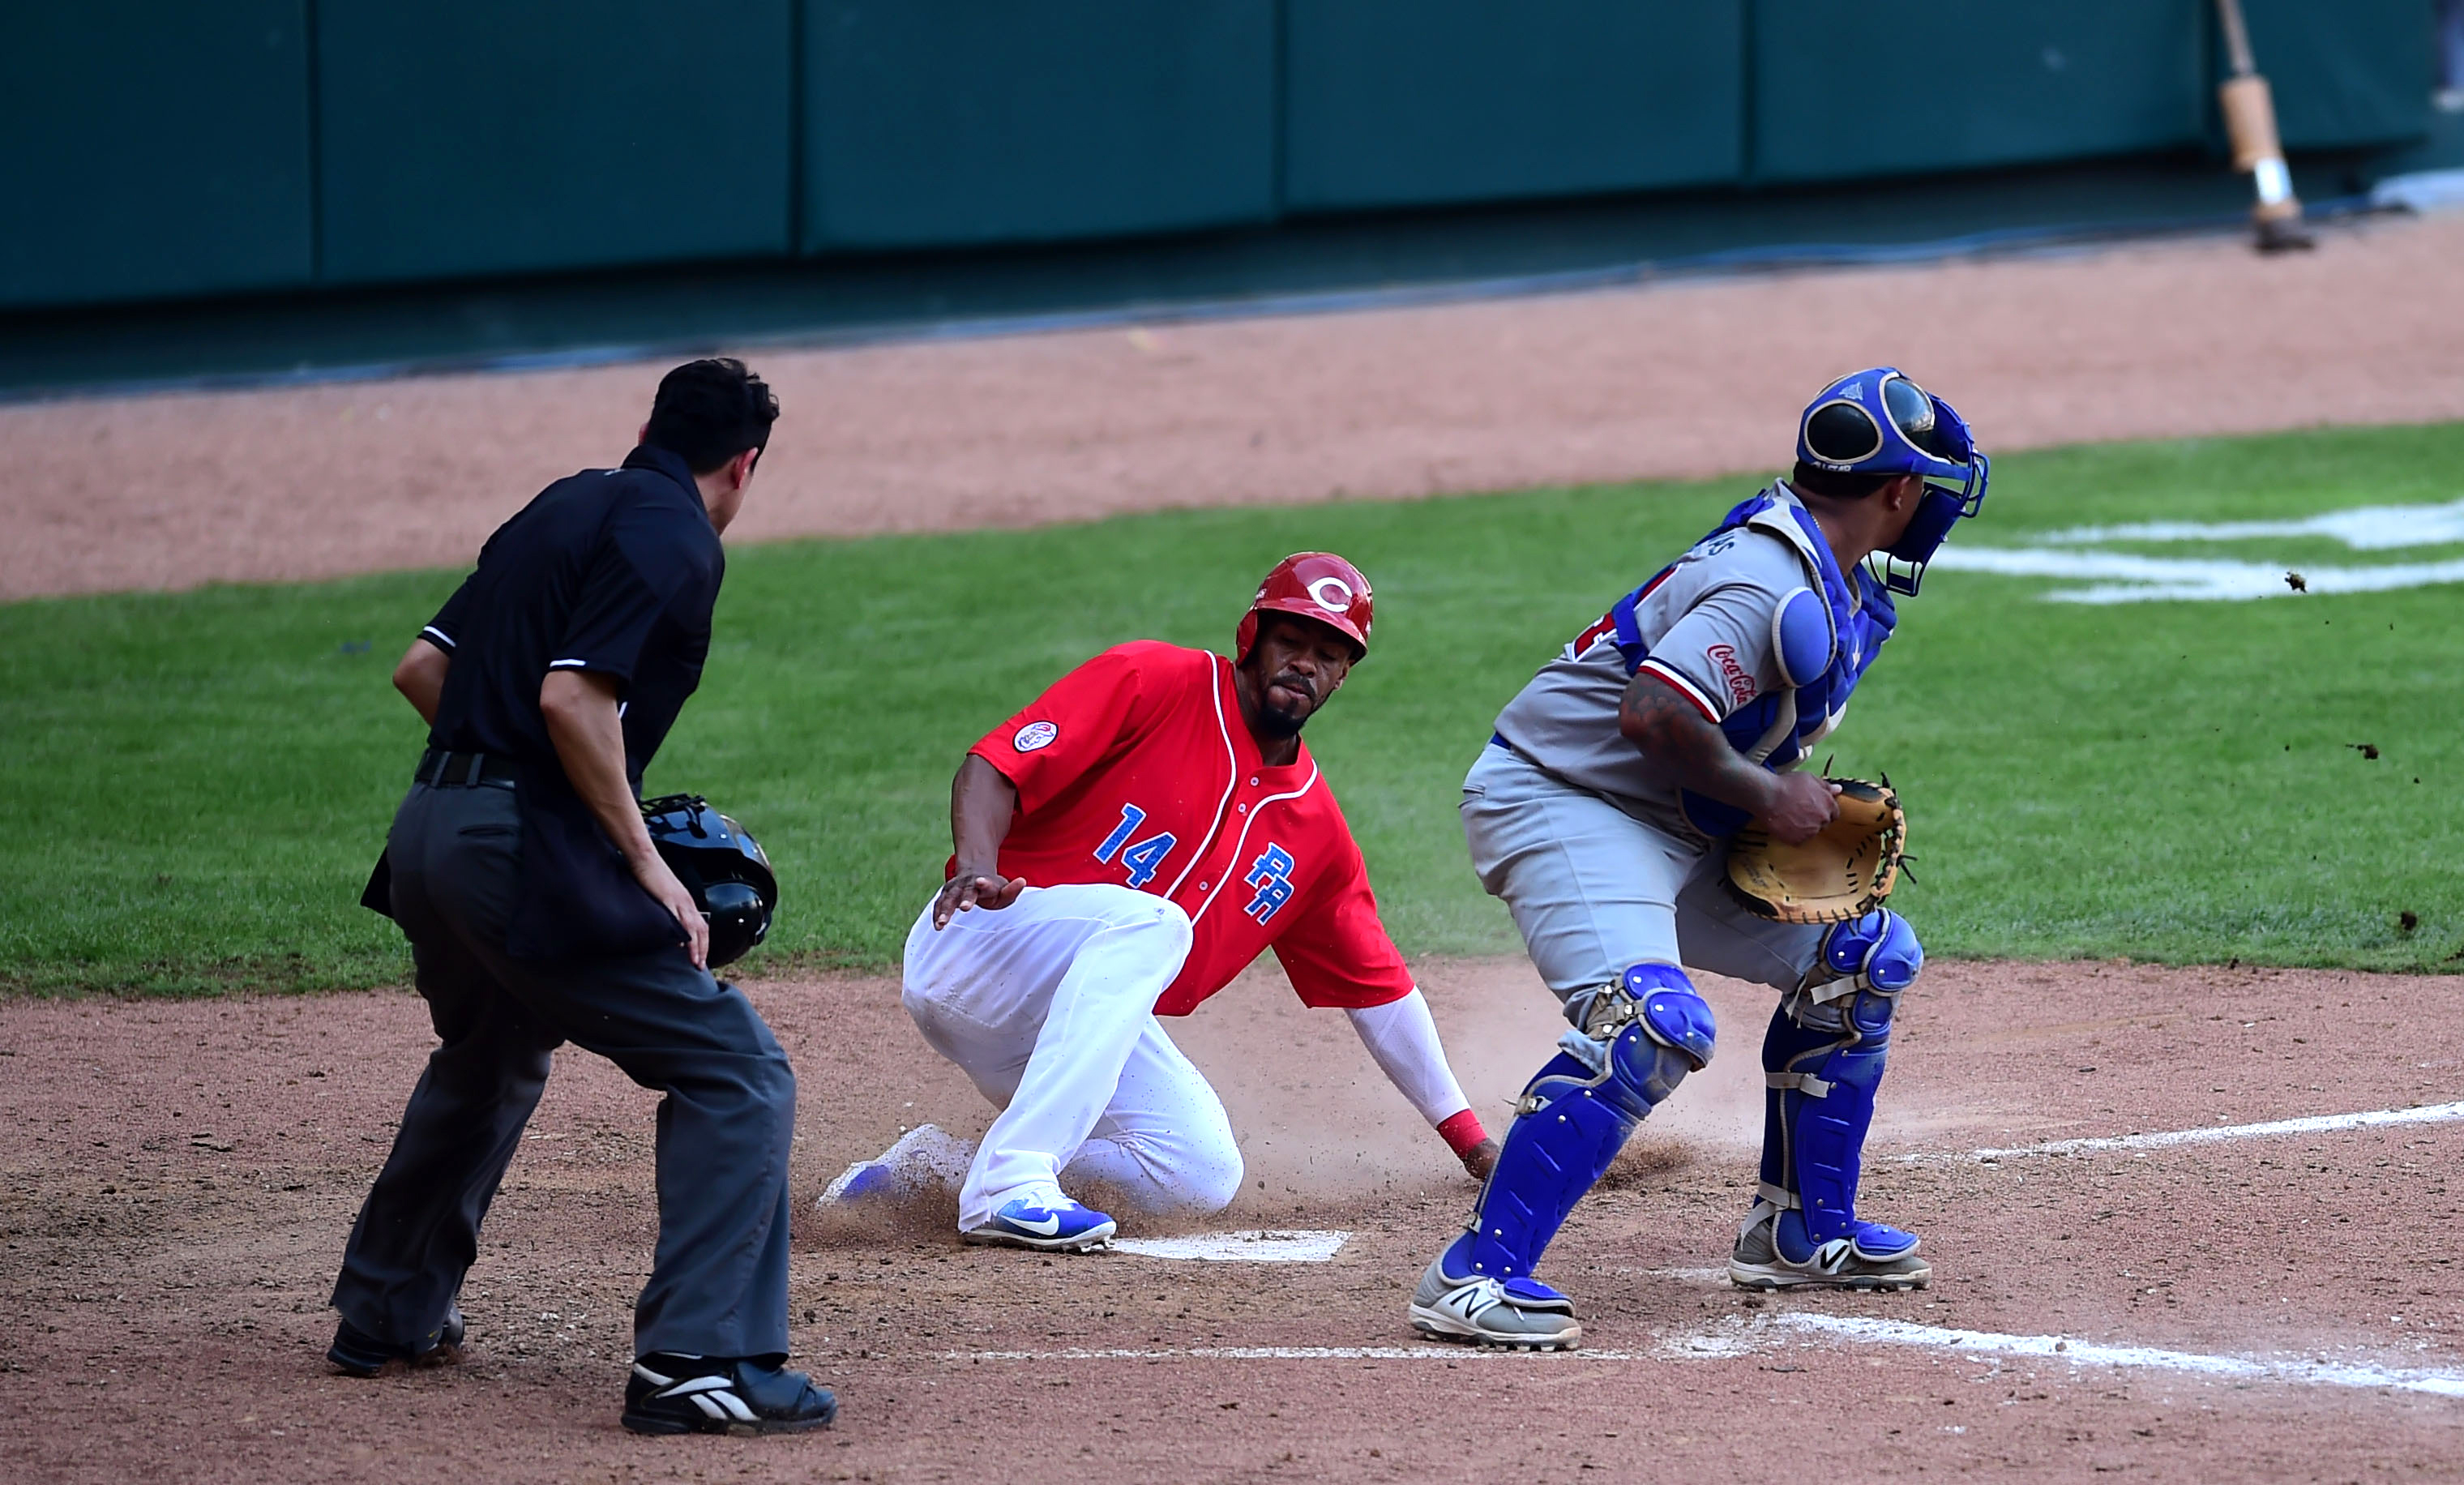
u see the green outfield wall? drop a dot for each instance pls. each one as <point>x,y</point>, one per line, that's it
<point>159,150</point>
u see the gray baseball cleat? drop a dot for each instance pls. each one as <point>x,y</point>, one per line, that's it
<point>1520,1313</point>
<point>1756,1262</point>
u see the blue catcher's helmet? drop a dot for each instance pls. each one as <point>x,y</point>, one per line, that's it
<point>1878,421</point>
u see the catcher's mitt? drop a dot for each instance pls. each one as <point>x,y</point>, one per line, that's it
<point>1843,870</point>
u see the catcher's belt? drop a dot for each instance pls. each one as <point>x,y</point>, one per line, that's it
<point>1842,871</point>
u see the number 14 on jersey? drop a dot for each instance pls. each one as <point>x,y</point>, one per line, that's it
<point>1141,859</point>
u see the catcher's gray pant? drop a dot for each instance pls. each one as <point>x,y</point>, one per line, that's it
<point>1595,890</point>
<point>718,1284</point>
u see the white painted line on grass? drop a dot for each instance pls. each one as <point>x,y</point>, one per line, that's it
<point>1254,1246</point>
<point>2367,528</point>
<point>2316,1124</point>
<point>2440,1382</point>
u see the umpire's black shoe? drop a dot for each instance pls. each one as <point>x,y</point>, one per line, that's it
<point>714,1394</point>
<point>356,1352</point>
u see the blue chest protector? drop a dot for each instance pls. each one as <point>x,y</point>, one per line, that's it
<point>1829,635</point>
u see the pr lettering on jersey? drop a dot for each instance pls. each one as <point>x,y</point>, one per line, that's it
<point>1740,683</point>
<point>1033,736</point>
<point>1271,874</point>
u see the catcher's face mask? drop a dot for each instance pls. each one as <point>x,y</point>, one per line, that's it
<point>1880,422</point>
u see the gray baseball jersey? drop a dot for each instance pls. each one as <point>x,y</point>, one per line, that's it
<point>1706,625</point>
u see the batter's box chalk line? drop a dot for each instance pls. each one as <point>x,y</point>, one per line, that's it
<point>1734,1338</point>
<point>1256,1245</point>
<point>1415,1353</point>
<point>2439,1382</point>
<point>2312,1124</point>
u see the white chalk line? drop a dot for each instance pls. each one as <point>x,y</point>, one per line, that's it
<point>2315,1123</point>
<point>2439,1382</point>
<point>1421,1353</point>
<point>1256,1245</point>
<point>2131,577</point>
<point>1734,1338</point>
<point>2136,579</point>
<point>2364,528</point>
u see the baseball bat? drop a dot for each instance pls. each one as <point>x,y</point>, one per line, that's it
<point>2250,121</point>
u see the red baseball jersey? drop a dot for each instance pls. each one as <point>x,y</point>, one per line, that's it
<point>1137,768</point>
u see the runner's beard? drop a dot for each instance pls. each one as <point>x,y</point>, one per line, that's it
<point>1280,722</point>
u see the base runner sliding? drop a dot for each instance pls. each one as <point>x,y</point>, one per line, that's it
<point>1123,847</point>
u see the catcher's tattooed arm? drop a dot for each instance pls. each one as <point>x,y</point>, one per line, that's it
<point>1674,734</point>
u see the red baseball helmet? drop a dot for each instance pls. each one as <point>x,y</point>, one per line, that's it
<point>1317,585</point>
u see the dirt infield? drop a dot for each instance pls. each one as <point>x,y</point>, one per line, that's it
<point>1686,378</point>
<point>180,1177</point>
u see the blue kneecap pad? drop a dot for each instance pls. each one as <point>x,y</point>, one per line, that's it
<point>1880,949</point>
<point>1674,1013</point>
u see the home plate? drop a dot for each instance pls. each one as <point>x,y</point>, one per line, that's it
<point>1250,1247</point>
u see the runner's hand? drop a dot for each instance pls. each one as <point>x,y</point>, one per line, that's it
<point>969,890</point>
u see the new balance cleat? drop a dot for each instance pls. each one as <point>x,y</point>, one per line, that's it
<point>692,1394</point>
<point>1067,1228</point>
<point>1875,1257</point>
<point>355,1353</point>
<point>1519,1313</point>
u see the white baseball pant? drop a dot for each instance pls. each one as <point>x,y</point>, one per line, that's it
<point>1049,1006</point>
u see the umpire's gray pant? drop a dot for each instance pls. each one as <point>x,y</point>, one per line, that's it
<point>718,1284</point>
<point>1595,890</point>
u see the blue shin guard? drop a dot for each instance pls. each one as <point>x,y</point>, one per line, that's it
<point>1639,1039</point>
<point>1822,1062</point>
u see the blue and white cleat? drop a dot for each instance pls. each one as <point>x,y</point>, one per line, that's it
<point>1067,1228</point>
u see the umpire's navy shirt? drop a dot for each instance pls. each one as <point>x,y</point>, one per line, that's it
<point>613,571</point>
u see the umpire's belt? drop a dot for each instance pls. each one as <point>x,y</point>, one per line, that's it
<point>441,769</point>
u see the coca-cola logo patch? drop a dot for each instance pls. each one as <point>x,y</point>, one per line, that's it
<point>1741,684</point>
<point>1034,735</point>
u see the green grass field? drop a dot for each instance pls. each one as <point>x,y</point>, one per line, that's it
<point>193,786</point>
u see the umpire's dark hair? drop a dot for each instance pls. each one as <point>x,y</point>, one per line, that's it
<point>1808,479</point>
<point>708,411</point>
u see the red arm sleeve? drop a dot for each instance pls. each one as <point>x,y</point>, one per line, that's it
<point>1339,953</point>
<point>1080,719</point>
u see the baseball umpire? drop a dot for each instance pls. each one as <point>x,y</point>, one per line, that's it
<point>1601,811</point>
<point>539,912</point>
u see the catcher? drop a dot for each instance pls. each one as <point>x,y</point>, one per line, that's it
<point>1637,795</point>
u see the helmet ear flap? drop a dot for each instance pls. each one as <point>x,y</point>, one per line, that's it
<point>1841,435</point>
